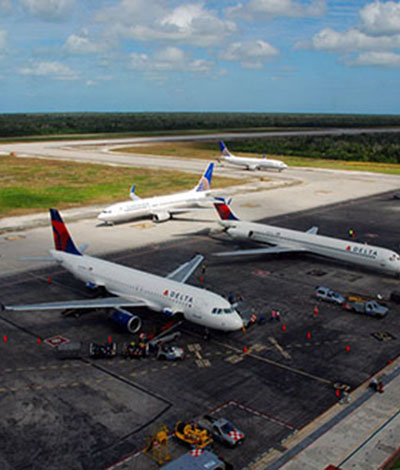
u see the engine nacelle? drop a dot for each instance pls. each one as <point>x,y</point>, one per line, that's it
<point>126,320</point>
<point>168,312</point>
<point>239,233</point>
<point>161,216</point>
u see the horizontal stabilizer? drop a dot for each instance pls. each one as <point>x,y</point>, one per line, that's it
<point>260,251</point>
<point>108,302</point>
<point>38,258</point>
<point>313,230</point>
<point>184,271</point>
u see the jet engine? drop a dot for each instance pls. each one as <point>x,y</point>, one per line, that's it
<point>168,312</point>
<point>126,320</point>
<point>238,233</point>
<point>161,216</point>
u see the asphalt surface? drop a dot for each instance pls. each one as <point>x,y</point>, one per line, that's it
<point>99,150</point>
<point>84,414</point>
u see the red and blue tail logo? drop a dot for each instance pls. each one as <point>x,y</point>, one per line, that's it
<point>225,211</point>
<point>62,238</point>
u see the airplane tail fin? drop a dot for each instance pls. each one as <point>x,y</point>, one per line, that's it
<point>62,238</point>
<point>224,210</point>
<point>205,181</point>
<point>224,149</point>
<point>132,194</point>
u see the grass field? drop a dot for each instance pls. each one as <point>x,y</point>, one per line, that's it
<point>209,151</point>
<point>33,185</point>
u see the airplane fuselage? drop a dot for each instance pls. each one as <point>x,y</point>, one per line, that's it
<point>255,163</point>
<point>158,293</point>
<point>369,256</point>
<point>160,207</point>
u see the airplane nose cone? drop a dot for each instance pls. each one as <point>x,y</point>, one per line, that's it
<point>101,216</point>
<point>237,322</point>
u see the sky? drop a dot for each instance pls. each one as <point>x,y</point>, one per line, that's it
<point>317,56</point>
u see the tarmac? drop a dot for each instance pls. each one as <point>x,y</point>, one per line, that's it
<point>281,391</point>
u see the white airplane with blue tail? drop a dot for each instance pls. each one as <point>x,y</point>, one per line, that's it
<point>161,208</point>
<point>250,163</point>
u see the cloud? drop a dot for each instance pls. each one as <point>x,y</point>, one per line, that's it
<point>169,59</point>
<point>274,8</point>
<point>381,59</point>
<point>381,18</point>
<point>81,44</point>
<point>5,5</point>
<point>352,40</point>
<point>251,54</point>
<point>49,10</point>
<point>54,70</point>
<point>191,23</point>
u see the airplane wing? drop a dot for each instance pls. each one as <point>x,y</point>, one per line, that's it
<point>260,251</point>
<point>184,271</point>
<point>313,230</point>
<point>107,302</point>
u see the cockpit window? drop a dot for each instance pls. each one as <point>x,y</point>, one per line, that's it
<point>220,311</point>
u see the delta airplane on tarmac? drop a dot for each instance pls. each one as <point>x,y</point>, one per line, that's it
<point>248,162</point>
<point>160,208</point>
<point>133,288</point>
<point>290,241</point>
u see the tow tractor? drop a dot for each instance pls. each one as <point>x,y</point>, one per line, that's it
<point>191,434</point>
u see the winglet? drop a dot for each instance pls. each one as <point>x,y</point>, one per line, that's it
<point>223,209</point>
<point>313,230</point>
<point>62,238</point>
<point>205,181</point>
<point>224,149</point>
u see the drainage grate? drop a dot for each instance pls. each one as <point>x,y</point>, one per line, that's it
<point>383,336</point>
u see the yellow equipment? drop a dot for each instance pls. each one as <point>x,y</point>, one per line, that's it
<point>191,434</point>
<point>157,445</point>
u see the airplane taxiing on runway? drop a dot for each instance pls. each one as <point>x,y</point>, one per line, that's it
<point>160,208</point>
<point>248,162</point>
<point>292,241</point>
<point>134,288</point>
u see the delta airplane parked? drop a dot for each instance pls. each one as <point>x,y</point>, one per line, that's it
<point>133,288</point>
<point>160,208</point>
<point>290,241</point>
<point>250,163</point>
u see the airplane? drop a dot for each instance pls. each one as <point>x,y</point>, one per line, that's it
<point>133,288</point>
<point>292,241</point>
<point>248,162</point>
<point>160,208</point>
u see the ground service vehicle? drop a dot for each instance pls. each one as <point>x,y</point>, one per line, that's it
<point>198,459</point>
<point>170,353</point>
<point>324,293</point>
<point>222,430</point>
<point>100,351</point>
<point>191,434</point>
<point>371,308</point>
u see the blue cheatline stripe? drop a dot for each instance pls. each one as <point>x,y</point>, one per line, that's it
<point>290,454</point>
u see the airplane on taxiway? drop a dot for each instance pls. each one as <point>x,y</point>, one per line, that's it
<point>160,208</point>
<point>133,288</point>
<point>248,162</point>
<point>294,241</point>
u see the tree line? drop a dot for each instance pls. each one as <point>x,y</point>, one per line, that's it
<point>18,125</point>
<point>376,147</point>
